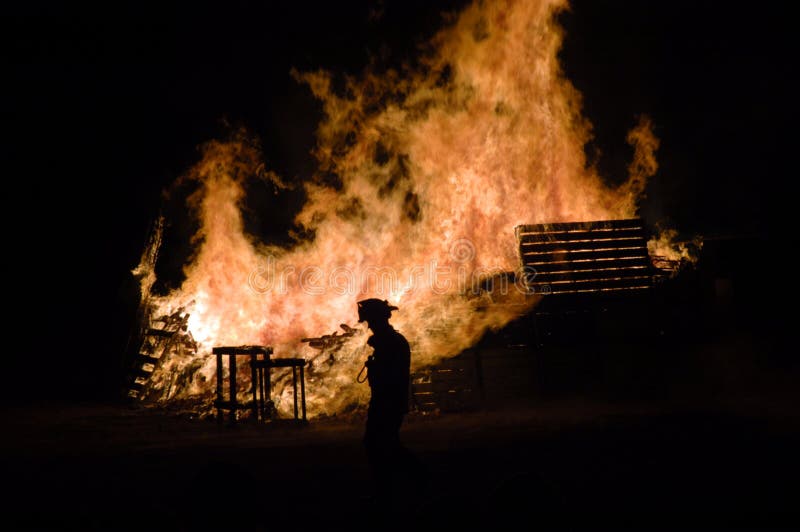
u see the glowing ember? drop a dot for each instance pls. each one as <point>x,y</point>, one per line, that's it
<point>433,168</point>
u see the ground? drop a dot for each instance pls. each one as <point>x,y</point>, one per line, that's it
<point>574,463</point>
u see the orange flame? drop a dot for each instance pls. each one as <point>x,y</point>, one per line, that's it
<point>422,177</point>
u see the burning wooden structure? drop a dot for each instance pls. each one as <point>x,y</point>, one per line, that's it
<point>575,270</point>
<point>580,271</point>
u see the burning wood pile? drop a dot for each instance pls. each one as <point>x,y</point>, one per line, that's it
<point>164,339</point>
<point>420,179</point>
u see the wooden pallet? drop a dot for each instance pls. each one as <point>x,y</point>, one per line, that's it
<point>585,257</point>
<point>451,385</point>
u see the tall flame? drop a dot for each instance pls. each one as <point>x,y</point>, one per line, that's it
<point>422,176</point>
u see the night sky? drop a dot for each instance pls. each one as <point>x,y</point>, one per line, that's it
<point>102,108</point>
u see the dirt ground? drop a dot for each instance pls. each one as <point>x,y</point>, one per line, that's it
<point>556,464</point>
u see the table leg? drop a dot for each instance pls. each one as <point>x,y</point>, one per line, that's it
<point>294,389</point>
<point>261,401</point>
<point>219,388</point>
<point>268,390</point>
<point>232,371</point>
<point>303,390</point>
<point>253,385</point>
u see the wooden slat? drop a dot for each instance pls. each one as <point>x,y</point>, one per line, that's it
<point>631,279</point>
<point>441,387</point>
<point>443,376</point>
<point>144,358</point>
<point>590,286</point>
<point>574,256</point>
<point>584,244</point>
<point>141,372</point>
<point>160,332</point>
<point>600,264</point>
<point>544,277</point>
<point>449,382</point>
<point>242,350</point>
<point>570,236</point>
<point>608,290</point>
<point>598,225</point>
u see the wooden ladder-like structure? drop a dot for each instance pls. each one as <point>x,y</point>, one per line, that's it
<point>158,341</point>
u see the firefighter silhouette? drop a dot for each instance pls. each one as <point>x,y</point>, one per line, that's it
<point>388,374</point>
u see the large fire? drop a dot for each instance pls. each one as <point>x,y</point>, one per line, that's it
<point>422,176</point>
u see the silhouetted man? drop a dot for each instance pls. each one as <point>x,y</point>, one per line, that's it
<point>388,373</point>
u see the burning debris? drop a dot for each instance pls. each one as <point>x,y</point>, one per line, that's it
<point>331,343</point>
<point>669,255</point>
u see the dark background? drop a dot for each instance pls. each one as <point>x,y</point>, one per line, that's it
<point>102,108</point>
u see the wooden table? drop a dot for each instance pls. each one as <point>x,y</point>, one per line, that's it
<point>263,368</point>
<point>260,365</point>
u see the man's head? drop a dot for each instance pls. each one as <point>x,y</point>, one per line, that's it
<point>374,311</point>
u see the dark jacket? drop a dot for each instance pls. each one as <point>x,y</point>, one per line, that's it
<point>388,371</point>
